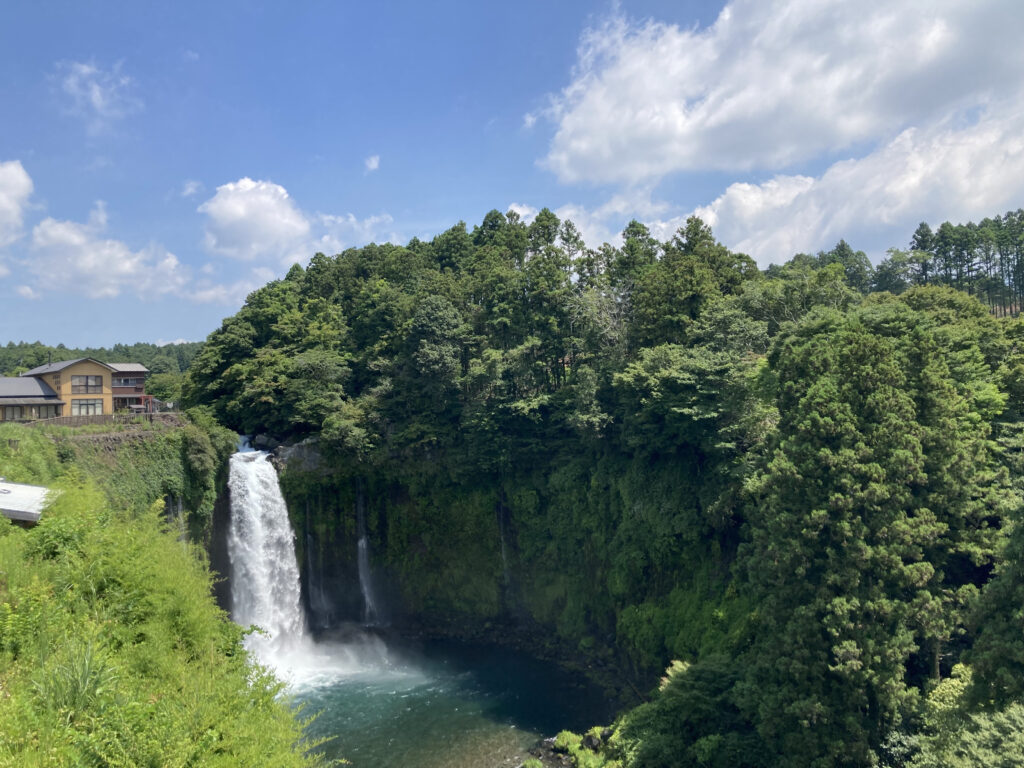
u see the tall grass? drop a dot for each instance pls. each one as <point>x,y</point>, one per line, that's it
<point>112,652</point>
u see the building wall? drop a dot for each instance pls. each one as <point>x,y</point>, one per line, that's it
<point>61,383</point>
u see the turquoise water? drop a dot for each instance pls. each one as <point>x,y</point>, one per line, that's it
<point>438,705</point>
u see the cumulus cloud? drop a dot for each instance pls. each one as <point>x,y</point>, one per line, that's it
<point>27,292</point>
<point>940,173</point>
<point>948,171</point>
<point>250,220</point>
<point>258,222</point>
<point>372,163</point>
<point>604,223</point>
<point>15,191</point>
<point>75,257</point>
<point>774,83</point>
<point>98,96</point>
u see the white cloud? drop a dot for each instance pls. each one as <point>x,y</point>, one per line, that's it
<point>771,84</point>
<point>15,190</point>
<point>948,171</point>
<point>164,342</point>
<point>189,56</point>
<point>372,163</point>
<point>257,221</point>
<point>347,230</point>
<point>252,220</point>
<point>99,96</point>
<point>945,172</point>
<point>527,213</point>
<point>604,224</point>
<point>529,120</point>
<point>75,257</point>
<point>206,291</point>
<point>191,187</point>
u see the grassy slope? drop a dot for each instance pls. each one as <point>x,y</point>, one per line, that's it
<point>112,652</point>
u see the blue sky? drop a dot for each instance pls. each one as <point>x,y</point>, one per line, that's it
<point>159,161</point>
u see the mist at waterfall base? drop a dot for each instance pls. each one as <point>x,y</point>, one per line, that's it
<point>385,703</point>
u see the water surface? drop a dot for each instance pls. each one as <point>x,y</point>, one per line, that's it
<point>444,704</point>
<point>384,702</point>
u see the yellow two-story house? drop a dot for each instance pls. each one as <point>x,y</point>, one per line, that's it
<point>82,387</point>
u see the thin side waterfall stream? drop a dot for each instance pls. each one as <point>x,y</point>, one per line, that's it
<point>382,704</point>
<point>363,562</point>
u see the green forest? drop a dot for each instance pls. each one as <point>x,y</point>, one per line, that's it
<point>165,359</point>
<point>795,489</point>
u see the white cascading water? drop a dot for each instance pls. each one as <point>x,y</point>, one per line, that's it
<point>265,588</point>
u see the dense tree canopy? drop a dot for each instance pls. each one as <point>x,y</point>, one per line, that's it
<point>169,358</point>
<point>815,466</point>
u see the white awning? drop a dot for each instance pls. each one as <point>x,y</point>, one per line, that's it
<point>22,502</point>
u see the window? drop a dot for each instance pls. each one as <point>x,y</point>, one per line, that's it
<point>12,412</point>
<point>86,407</point>
<point>86,385</point>
<point>56,382</point>
<point>123,382</point>
<point>44,411</point>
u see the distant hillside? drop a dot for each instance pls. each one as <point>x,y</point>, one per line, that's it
<point>18,357</point>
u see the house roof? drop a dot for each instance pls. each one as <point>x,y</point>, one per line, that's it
<point>55,367</point>
<point>22,502</point>
<point>129,368</point>
<point>26,388</point>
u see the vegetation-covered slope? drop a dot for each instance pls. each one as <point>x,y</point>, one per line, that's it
<point>798,485</point>
<point>112,652</point>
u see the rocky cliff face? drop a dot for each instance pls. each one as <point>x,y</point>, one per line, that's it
<point>596,559</point>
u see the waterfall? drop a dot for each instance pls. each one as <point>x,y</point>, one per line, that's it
<point>265,588</point>
<point>182,534</point>
<point>174,513</point>
<point>370,615</point>
<point>261,548</point>
<point>321,610</point>
<point>506,539</point>
<point>501,513</point>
